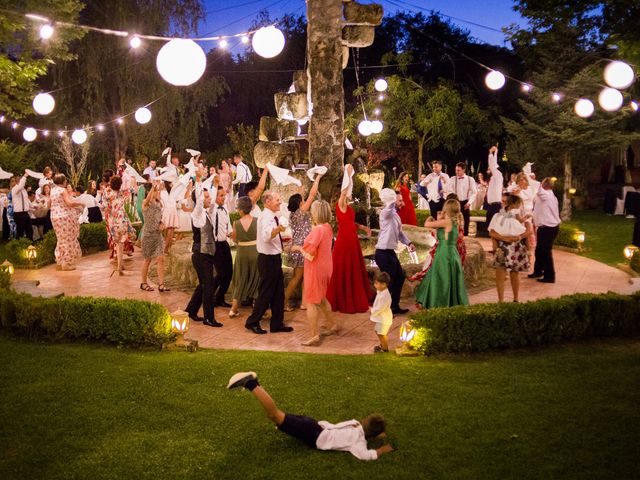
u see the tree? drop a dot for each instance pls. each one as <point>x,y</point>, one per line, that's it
<point>74,156</point>
<point>243,138</point>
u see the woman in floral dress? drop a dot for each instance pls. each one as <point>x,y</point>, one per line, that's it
<point>64,216</point>
<point>118,222</point>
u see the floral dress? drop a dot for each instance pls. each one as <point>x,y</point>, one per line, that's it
<point>118,223</point>
<point>67,228</point>
<point>300,223</point>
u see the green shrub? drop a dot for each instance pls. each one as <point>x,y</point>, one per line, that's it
<point>5,280</point>
<point>510,325</point>
<point>93,236</point>
<point>126,322</point>
<point>635,262</point>
<point>567,236</point>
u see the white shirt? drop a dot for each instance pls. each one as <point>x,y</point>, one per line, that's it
<point>19,197</point>
<point>346,437</point>
<point>152,172</point>
<point>243,174</point>
<point>87,200</point>
<point>494,190</point>
<point>381,310</point>
<point>221,220</point>
<point>264,243</point>
<point>545,209</point>
<point>42,182</point>
<point>464,187</point>
<point>255,211</point>
<point>431,184</point>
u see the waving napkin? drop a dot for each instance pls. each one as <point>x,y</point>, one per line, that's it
<point>168,175</point>
<point>4,175</point>
<point>208,183</point>
<point>347,181</point>
<point>132,172</point>
<point>167,152</point>
<point>281,175</point>
<point>33,174</point>
<point>312,172</point>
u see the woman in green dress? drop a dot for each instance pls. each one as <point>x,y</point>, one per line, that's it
<point>245,269</point>
<point>443,285</point>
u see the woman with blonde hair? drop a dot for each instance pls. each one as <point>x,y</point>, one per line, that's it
<point>318,266</point>
<point>443,285</point>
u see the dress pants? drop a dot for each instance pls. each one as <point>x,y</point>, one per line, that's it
<point>270,292</point>
<point>492,209</point>
<point>242,190</point>
<point>466,214</point>
<point>387,261</point>
<point>435,207</point>
<point>544,248</point>
<point>23,225</point>
<point>203,294</point>
<point>224,270</point>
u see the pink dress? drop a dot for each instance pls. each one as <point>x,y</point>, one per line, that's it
<point>317,272</point>
<point>67,227</point>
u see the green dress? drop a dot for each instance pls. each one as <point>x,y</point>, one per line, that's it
<point>245,269</point>
<point>443,285</point>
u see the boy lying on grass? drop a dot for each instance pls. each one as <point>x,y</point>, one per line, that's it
<point>350,436</point>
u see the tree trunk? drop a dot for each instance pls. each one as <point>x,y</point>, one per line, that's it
<point>565,214</point>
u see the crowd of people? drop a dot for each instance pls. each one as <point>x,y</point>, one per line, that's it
<point>176,198</point>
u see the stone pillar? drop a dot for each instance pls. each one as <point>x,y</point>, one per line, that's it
<point>326,90</point>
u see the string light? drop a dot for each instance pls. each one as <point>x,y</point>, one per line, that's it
<point>381,85</point>
<point>143,115</point>
<point>45,133</point>
<point>381,97</point>
<point>2,119</point>
<point>556,97</point>
<point>610,99</point>
<point>120,121</point>
<point>14,125</point>
<point>245,39</point>
<point>634,106</point>
<point>46,32</point>
<point>223,43</point>
<point>60,133</point>
<point>584,108</point>
<point>376,111</point>
<point>100,127</point>
<point>526,88</point>
<point>29,134</point>
<point>79,136</point>
<point>135,42</point>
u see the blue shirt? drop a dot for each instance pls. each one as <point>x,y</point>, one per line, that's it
<point>390,229</point>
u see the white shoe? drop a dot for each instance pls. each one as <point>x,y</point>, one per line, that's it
<point>233,314</point>
<point>240,379</point>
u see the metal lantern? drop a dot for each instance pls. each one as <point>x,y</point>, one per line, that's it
<point>7,266</point>
<point>629,251</point>
<point>580,236</point>
<point>407,332</point>
<point>179,322</point>
<point>32,253</point>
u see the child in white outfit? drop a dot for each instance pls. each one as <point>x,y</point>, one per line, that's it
<point>381,311</point>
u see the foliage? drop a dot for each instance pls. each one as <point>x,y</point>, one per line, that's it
<point>567,236</point>
<point>484,327</point>
<point>93,236</point>
<point>243,138</point>
<point>15,158</point>
<point>5,279</point>
<point>74,156</point>
<point>125,322</point>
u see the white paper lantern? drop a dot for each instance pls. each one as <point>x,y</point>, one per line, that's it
<point>29,134</point>
<point>610,99</point>
<point>584,108</point>
<point>143,115</point>
<point>268,42</point>
<point>376,126</point>
<point>181,62</point>
<point>135,42</point>
<point>79,136</point>
<point>46,32</point>
<point>619,75</point>
<point>495,80</point>
<point>365,128</point>
<point>381,85</point>
<point>43,103</point>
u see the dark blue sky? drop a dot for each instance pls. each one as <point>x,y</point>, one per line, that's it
<point>233,16</point>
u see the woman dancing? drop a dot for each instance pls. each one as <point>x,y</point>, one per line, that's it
<point>64,216</point>
<point>152,236</point>
<point>118,222</point>
<point>407,212</point>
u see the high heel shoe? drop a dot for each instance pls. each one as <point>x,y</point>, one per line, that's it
<point>312,342</point>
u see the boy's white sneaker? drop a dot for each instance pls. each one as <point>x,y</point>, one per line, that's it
<point>240,379</point>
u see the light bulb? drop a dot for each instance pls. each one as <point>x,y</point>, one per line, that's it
<point>245,39</point>
<point>376,126</point>
<point>135,42</point>
<point>365,128</point>
<point>526,87</point>
<point>79,136</point>
<point>46,32</point>
<point>556,97</point>
<point>143,115</point>
<point>29,134</point>
<point>223,43</point>
<point>381,85</point>
<point>495,80</point>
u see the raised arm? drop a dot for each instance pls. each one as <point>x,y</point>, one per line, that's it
<point>342,201</point>
<point>257,192</point>
<point>312,194</point>
<point>70,203</point>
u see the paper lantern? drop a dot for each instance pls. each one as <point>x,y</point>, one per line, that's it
<point>619,75</point>
<point>584,108</point>
<point>181,62</point>
<point>610,99</point>
<point>268,42</point>
<point>381,85</point>
<point>29,134</point>
<point>376,126</point>
<point>43,103</point>
<point>46,32</point>
<point>135,42</point>
<point>495,80</point>
<point>365,128</point>
<point>143,115</point>
<point>79,136</point>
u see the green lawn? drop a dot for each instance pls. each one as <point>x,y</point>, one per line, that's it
<point>606,235</point>
<point>76,411</point>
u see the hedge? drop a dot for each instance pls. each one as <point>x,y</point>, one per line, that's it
<point>484,327</point>
<point>125,322</point>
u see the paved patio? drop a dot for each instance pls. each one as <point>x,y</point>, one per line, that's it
<point>92,278</point>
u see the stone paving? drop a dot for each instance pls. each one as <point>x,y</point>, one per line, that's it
<point>93,278</point>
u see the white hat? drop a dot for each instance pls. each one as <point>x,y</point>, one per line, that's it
<point>387,196</point>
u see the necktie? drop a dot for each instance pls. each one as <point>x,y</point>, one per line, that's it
<point>279,236</point>
<point>439,186</point>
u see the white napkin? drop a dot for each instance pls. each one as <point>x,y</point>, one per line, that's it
<point>192,152</point>
<point>208,183</point>
<point>283,221</point>
<point>169,175</point>
<point>33,174</point>
<point>347,182</point>
<point>4,175</point>
<point>527,168</point>
<point>348,144</point>
<point>281,175</point>
<point>129,170</point>
<point>312,172</point>
<point>167,152</point>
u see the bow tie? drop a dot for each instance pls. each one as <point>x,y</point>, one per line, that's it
<point>220,207</point>
<point>461,178</point>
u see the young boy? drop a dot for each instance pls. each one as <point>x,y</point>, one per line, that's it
<point>350,436</point>
<point>381,311</point>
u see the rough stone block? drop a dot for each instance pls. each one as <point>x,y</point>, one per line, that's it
<point>357,13</point>
<point>275,130</point>
<point>291,106</point>
<point>279,154</point>
<point>300,81</point>
<point>358,36</point>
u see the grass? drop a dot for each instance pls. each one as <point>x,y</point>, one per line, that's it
<point>606,236</point>
<point>77,411</point>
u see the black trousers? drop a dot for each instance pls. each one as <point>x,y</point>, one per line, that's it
<point>466,214</point>
<point>435,207</point>
<point>6,228</point>
<point>544,256</point>
<point>23,225</point>
<point>224,270</point>
<point>387,261</point>
<point>242,190</point>
<point>203,294</point>
<point>492,209</point>
<point>270,292</point>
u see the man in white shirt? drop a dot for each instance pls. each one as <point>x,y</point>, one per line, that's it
<point>494,189</point>
<point>271,287</point>
<point>243,174</point>
<point>21,207</point>
<point>546,217</point>
<point>465,189</point>
<point>435,184</point>
<point>91,212</point>
<point>350,436</point>
<point>222,258</point>
<point>151,170</point>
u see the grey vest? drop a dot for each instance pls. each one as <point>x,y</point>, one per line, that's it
<point>203,239</point>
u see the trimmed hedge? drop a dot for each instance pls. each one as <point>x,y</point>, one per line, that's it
<point>125,322</point>
<point>567,236</point>
<point>484,327</point>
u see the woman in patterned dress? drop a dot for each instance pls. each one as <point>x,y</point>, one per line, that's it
<point>300,223</point>
<point>64,216</point>
<point>152,246</point>
<point>224,172</point>
<point>118,221</point>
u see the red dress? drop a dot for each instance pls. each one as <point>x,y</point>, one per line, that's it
<point>349,289</point>
<point>408,212</point>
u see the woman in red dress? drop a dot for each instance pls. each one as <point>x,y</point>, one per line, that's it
<point>407,212</point>
<point>349,289</point>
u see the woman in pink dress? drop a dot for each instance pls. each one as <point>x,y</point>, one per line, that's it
<point>225,174</point>
<point>118,222</point>
<point>318,266</point>
<point>64,216</point>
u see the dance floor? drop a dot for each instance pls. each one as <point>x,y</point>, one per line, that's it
<point>92,278</point>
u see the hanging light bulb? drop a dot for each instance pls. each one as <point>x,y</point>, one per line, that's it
<point>495,80</point>
<point>135,42</point>
<point>45,133</point>
<point>223,43</point>
<point>43,103</point>
<point>46,32</point>
<point>79,136</point>
<point>29,134</point>
<point>120,120</point>
<point>381,97</point>
<point>376,111</point>
<point>556,97</point>
<point>143,115</point>
<point>610,99</point>
<point>245,39</point>
<point>14,125</point>
<point>1,118</point>
<point>60,133</point>
<point>181,62</point>
<point>526,87</point>
<point>619,75</point>
<point>365,128</point>
<point>268,42</point>
<point>381,85</point>
<point>584,108</point>
<point>376,126</point>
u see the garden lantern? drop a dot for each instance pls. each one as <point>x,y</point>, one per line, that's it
<point>32,253</point>
<point>473,229</point>
<point>407,332</point>
<point>179,322</point>
<point>7,266</point>
<point>629,251</point>
<point>580,236</point>
<point>572,191</point>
